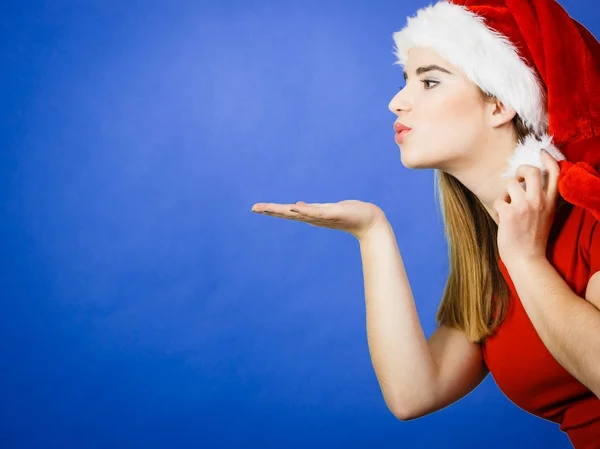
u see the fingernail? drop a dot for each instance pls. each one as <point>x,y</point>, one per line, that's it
<point>544,151</point>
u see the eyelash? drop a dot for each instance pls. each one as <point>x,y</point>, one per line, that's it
<point>425,81</point>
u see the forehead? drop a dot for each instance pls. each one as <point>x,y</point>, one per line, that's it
<point>420,56</point>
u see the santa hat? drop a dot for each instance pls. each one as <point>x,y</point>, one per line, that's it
<point>533,57</point>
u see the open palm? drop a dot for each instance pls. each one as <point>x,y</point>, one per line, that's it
<point>352,216</point>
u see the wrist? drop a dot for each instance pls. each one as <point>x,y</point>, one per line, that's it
<point>377,227</point>
<point>520,262</point>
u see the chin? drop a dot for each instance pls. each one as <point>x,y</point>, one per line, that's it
<point>413,161</point>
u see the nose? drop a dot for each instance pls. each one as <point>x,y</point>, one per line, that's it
<point>400,103</point>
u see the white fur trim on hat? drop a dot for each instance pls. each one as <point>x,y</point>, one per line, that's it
<point>486,57</point>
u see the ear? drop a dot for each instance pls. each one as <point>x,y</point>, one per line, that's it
<point>498,113</point>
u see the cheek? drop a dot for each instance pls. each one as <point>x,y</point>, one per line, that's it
<point>452,123</point>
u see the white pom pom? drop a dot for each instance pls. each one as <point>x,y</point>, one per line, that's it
<point>529,152</point>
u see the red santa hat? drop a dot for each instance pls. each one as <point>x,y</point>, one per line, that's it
<point>536,59</point>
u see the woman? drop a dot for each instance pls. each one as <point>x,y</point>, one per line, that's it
<point>485,94</point>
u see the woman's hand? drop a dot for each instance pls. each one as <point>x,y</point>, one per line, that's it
<point>525,216</point>
<point>352,216</point>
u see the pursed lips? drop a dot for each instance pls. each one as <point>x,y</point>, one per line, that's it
<point>399,127</point>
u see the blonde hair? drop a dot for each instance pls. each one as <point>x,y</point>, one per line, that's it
<point>476,295</point>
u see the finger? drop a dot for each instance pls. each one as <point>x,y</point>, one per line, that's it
<point>271,207</point>
<point>514,193</point>
<point>317,205</point>
<point>313,211</point>
<point>533,180</point>
<point>317,214</point>
<point>290,216</point>
<point>499,206</point>
<point>299,211</point>
<point>285,214</point>
<point>276,210</point>
<point>553,174</point>
<point>310,215</point>
<point>260,207</point>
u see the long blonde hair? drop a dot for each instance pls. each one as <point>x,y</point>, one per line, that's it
<point>475,299</point>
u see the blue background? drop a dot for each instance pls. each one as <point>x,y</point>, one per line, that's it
<point>143,304</point>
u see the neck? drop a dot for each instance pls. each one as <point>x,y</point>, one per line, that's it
<point>482,175</point>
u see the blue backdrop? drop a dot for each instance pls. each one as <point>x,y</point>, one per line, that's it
<point>143,304</point>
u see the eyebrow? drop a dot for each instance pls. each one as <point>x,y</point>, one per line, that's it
<point>429,68</point>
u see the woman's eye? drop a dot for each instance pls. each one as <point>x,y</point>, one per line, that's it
<point>429,84</point>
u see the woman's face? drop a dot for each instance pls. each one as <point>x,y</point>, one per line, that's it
<point>446,111</point>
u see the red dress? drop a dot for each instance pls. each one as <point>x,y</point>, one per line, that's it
<point>523,368</point>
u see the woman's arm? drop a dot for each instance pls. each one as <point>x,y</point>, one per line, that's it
<point>416,376</point>
<point>568,325</point>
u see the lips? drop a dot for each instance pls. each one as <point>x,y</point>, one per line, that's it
<point>399,127</point>
<point>401,132</point>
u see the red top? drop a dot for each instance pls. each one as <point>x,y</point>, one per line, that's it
<point>523,368</point>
